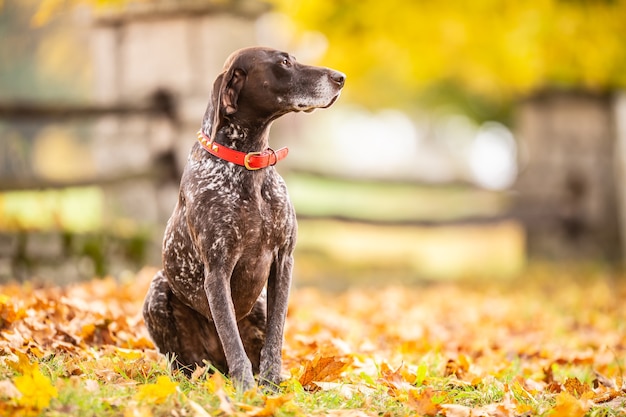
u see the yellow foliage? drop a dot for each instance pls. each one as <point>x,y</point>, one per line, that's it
<point>568,406</point>
<point>158,392</point>
<point>272,405</point>
<point>393,49</point>
<point>36,389</point>
<point>49,8</point>
<point>23,365</point>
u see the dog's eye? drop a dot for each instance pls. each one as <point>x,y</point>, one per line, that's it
<point>286,62</point>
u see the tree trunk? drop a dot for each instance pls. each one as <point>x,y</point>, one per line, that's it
<point>568,199</point>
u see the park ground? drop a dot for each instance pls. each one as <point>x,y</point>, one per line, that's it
<point>550,341</point>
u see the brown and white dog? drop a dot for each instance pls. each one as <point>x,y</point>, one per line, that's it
<point>222,294</point>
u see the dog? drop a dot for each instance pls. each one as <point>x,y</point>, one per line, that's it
<point>221,297</point>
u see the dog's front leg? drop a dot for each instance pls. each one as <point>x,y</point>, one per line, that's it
<point>217,287</point>
<point>278,285</point>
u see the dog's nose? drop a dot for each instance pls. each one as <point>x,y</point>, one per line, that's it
<point>338,77</point>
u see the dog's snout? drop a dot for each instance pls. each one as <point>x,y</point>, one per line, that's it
<point>338,77</point>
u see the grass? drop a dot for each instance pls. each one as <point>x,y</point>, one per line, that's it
<point>86,394</point>
<point>365,200</point>
<point>502,348</point>
<point>355,252</point>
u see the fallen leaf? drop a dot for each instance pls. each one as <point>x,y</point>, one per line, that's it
<point>36,389</point>
<point>272,404</point>
<point>568,406</point>
<point>323,369</point>
<point>456,410</point>
<point>422,402</point>
<point>8,390</point>
<point>158,392</point>
<point>458,367</point>
<point>198,372</point>
<point>91,385</point>
<point>575,387</point>
<point>23,364</point>
<point>394,379</point>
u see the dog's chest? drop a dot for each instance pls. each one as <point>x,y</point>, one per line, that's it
<point>225,218</point>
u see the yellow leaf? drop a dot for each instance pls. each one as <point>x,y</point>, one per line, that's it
<point>568,406</point>
<point>272,404</point>
<point>128,354</point>
<point>23,365</point>
<point>87,331</point>
<point>215,382</point>
<point>9,311</point>
<point>36,390</point>
<point>216,385</point>
<point>157,392</point>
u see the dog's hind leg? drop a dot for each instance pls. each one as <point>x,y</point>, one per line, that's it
<point>252,331</point>
<point>179,332</point>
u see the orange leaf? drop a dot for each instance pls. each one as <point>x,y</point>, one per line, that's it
<point>457,368</point>
<point>568,406</point>
<point>272,404</point>
<point>575,387</point>
<point>324,369</point>
<point>422,402</point>
<point>23,365</point>
<point>393,379</point>
<point>456,410</point>
<point>9,311</point>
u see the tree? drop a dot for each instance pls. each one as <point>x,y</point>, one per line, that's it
<point>47,8</point>
<point>400,51</point>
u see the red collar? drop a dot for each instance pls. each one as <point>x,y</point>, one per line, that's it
<point>251,160</point>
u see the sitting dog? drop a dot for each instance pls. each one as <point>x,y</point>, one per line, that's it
<point>222,294</point>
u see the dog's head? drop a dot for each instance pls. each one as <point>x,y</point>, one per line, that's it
<point>260,84</point>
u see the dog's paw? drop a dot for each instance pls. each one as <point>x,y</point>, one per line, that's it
<point>271,384</point>
<point>243,380</point>
<point>271,381</point>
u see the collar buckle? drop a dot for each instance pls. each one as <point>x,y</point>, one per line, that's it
<point>246,161</point>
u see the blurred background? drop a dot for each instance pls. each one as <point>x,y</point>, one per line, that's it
<point>472,138</point>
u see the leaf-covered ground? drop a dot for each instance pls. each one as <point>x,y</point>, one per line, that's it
<point>546,343</point>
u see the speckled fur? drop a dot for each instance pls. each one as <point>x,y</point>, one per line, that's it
<point>222,294</point>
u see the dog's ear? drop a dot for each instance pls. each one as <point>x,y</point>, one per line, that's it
<point>224,97</point>
<point>231,87</point>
